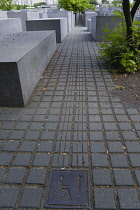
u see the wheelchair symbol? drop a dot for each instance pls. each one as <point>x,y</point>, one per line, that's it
<point>61,191</point>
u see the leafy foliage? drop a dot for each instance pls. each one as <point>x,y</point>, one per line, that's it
<point>5,5</point>
<point>38,4</point>
<point>118,51</point>
<point>75,5</point>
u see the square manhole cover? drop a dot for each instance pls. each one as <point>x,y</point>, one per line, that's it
<point>68,189</point>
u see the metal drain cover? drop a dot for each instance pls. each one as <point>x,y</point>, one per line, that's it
<point>68,189</point>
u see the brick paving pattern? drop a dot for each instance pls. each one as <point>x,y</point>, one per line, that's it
<point>71,122</point>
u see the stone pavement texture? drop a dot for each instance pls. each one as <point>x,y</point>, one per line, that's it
<point>71,122</point>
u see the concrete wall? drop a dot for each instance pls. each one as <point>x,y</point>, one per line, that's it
<point>62,14</point>
<point>19,14</point>
<point>3,14</point>
<point>97,24</point>
<point>88,15</point>
<point>57,24</point>
<point>23,59</point>
<point>89,24</point>
<point>10,26</point>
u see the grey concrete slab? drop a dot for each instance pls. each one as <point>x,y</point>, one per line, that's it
<point>63,14</point>
<point>23,58</point>
<point>57,24</point>
<point>99,22</point>
<point>10,26</point>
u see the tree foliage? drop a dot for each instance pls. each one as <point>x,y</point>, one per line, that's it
<point>5,5</point>
<point>75,5</point>
<point>39,4</point>
<point>122,46</point>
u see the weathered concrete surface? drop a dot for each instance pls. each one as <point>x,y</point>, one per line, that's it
<point>10,26</point>
<point>23,58</point>
<point>97,24</point>
<point>57,24</point>
<point>24,15</point>
<point>3,14</point>
<point>89,24</point>
<point>88,15</point>
<point>19,14</point>
<point>62,14</point>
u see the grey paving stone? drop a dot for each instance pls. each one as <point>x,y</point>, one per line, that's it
<point>60,160</point>
<point>108,118</point>
<point>115,146</point>
<point>36,176</point>
<point>15,175</point>
<point>80,147</point>
<point>22,159</point>
<point>45,146</point>
<point>119,161</point>
<point>122,118</point>
<point>129,135</point>
<point>135,118</point>
<point>41,160</point>
<point>22,125</point>
<point>2,171</point>
<point>64,136</point>
<point>16,135</point>
<point>4,134</point>
<point>106,111</point>
<point>50,126</point>
<point>135,160</point>
<point>96,135</point>
<point>123,177</point>
<point>137,174</point>
<point>26,118</point>
<point>62,147</point>
<point>104,199</point>
<point>101,177</point>
<point>31,197</point>
<point>36,126</point>
<point>13,117</point>
<point>5,159</point>
<point>27,146</point>
<point>8,196</point>
<point>99,160</point>
<point>137,126</point>
<point>97,147</point>
<point>80,160</point>
<point>31,135</point>
<point>95,126</point>
<point>8,125</point>
<point>112,135</point>
<point>47,135</point>
<point>94,118</point>
<point>10,146</point>
<point>125,126</point>
<point>119,111</point>
<point>39,118</point>
<point>80,136</point>
<point>132,146</point>
<point>128,199</point>
<point>132,111</point>
<point>110,126</point>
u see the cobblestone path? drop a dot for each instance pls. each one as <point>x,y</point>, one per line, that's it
<point>71,123</point>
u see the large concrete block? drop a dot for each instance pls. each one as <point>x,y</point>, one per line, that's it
<point>10,26</point>
<point>89,25</point>
<point>32,15</point>
<point>23,58</point>
<point>97,24</point>
<point>3,14</point>
<point>19,14</point>
<point>57,24</point>
<point>88,15</point>
<point>62,14</point>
